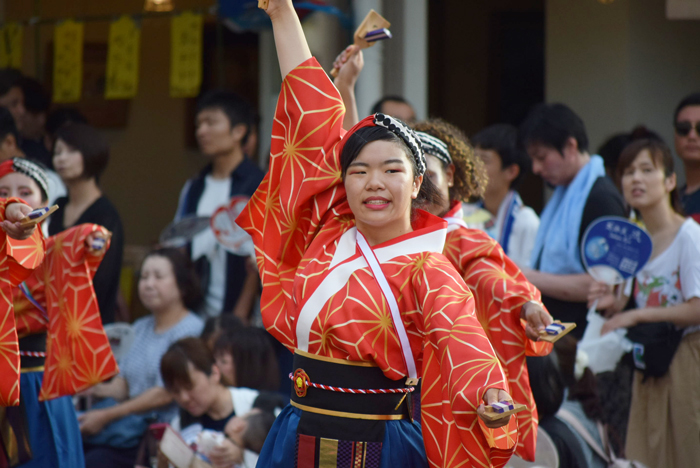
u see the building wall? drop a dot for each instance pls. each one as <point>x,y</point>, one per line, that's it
<point>621,64</point>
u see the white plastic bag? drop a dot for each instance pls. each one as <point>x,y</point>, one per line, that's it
<point>604,352</point>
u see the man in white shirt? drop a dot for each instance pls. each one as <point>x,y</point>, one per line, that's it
<point>223,122</point>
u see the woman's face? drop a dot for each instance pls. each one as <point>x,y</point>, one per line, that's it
<point>442,178</point>
<point>645,184</point>
<point>380,187</point>
<point>158,288</point>
<point>224,361</point>
<point>199,398</point>
<point>19,185</point>
<point>67,161</point>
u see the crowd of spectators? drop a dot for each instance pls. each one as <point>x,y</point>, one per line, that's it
<point>197,363</point>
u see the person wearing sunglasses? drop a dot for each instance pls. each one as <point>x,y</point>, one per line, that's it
<point>687,138</point>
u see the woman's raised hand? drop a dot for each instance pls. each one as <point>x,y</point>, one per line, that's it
<point>275,6</point>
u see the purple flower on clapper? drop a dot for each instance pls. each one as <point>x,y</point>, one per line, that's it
<point>502,407</point>
<point>554,328</point>
<point>98,243</point>
<point>38,213</point>
<point>378,35</point>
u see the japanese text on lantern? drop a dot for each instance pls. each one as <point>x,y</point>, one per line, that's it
<point>185,55</point>
<point>68,61</point>
<point>123,59</point>
<point>11,45</point>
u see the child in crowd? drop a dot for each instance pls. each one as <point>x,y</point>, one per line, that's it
<point>511,223</point>
<point>246,358</point>
<point>215,326</point>
<point>194,381</point>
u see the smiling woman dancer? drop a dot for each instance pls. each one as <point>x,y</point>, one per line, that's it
<point>355,283</point>
<point>507,305</point>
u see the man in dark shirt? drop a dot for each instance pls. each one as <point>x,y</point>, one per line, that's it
<point>556,141</point>
<point>686,122</point>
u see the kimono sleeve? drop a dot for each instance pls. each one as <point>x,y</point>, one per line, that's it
<point>78,354</point>
<point>459,366</point>
<point>500,290</point>
<point>18,258</point>
<point>302,185</point>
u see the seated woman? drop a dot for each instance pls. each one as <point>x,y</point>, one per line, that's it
<point>169,289</point>
<point>246,358</point>
<point>194,381</point>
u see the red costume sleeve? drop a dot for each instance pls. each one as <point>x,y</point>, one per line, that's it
<point>301,186</point>
<point>17,260</point>
<point>78,354</point>
<point>500,290</point>
<point>459,365</point>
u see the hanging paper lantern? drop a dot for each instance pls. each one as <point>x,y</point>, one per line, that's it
<point>158,5</point>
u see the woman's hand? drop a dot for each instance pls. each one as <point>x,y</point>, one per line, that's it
<point>226,455</point>
<point>92,422</point>
<point>493,395</point>
<point>603,293</point>
<point>537,319</point>
<point>275,6</point>
<point>621,320</point>
<point>349,64</point>
<point>14,212</point>
<point>96,241</point>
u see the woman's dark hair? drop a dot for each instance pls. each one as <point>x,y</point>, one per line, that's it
<point>547,385</point>
<point>612,148</point>
<point>254,358</point>
<point>470,173</point>
<point>215,326</point>
<point>583,390</point>
<point>174,368</point>
<point>358,140</point>
<point>660,156</point>
<point>92,145</point>
<point>185,276</point>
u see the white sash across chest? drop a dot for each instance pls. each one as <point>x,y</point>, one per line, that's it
<point>344,265</point>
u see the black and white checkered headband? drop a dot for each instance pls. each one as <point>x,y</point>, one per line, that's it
<point>435,147</point>
<point>404,132</point>
<point>33,170</point>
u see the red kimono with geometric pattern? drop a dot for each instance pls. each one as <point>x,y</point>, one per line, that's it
<point>78,354</point>
<point>320,296</point>
<point>500,290</point>
<point>17,260</point>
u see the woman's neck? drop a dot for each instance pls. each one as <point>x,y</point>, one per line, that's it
<point>660,217</point>
<point>376,236</point>
<point>222,405</point>
<point>168,317</point>
<point>83,192</point>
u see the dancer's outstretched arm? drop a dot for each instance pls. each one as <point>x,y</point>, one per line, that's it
<point>290,41</point>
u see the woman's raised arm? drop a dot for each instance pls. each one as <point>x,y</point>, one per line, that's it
<point>290,41</point>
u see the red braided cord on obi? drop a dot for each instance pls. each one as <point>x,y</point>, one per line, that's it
<point>356,390</point>
<point>32,353</point>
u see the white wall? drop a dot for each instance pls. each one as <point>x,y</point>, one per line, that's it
<point>621,64</point>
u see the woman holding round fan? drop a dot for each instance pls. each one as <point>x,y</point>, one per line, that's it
<point>355,283</point>
<point>665,414</point>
